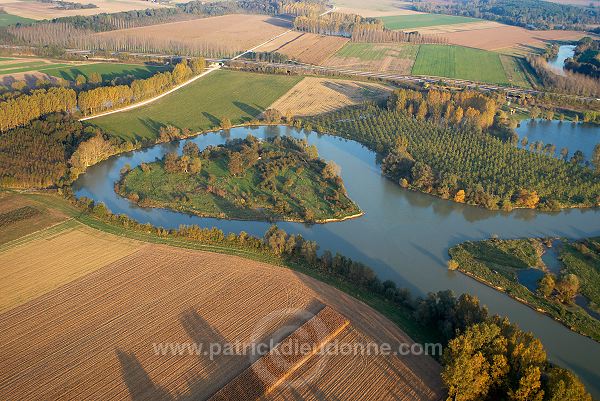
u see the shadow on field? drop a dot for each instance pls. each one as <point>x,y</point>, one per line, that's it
<point>246,108</point>
<point>207,375</point>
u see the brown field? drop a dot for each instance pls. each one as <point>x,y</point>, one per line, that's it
<point>42,261</point>
<point>305,47</point>
<point>467,26</point>
<point>93,337</point>
<point>512,38</point>
<point>39,11</point>
<point>231,32</point>
<point>374,8</point>
<point>46,218</point>
<point>313,96</point>
<point>392,58</point>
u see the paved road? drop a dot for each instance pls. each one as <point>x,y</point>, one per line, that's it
<point>413,78</point>
<point>216,66</point>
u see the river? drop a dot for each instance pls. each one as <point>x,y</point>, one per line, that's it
<point>403,236</point>
<point>558,63</point>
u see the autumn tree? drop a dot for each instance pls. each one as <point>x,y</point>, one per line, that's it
<point>567,287</point>
<point>546,285</point>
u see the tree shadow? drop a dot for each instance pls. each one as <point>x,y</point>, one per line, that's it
<point>248,109</point>
<point>214,120</point>
<point>222,375</point>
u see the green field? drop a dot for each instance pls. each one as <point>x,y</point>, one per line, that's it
<point>460,62</point>
<point>376,51</point>
<point>398,22</point>
<point>9,19</point>
<point>239,96</point>
<point>108,71</point>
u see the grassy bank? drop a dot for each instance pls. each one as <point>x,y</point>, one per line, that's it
<point>276,179</point>
<point>496,263</point>
<point>239,96</point>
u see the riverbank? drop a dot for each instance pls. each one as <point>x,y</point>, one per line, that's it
<point>275,179</point>
<point>490,263</point>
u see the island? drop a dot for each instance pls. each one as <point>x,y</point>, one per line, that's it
<point>556,276</point>
<point>277,179</point>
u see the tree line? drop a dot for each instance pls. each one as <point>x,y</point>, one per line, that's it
<point>18,111</point>
<point>485,357</point>
<point>359,29</point>
<point>464,107</point>
<point>462,164</point>
<point>585,59</point>
<point>530,14</point>
<point>570,82</point>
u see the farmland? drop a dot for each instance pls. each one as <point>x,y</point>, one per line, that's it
<point>160,294</point>
<point>398,58</point>
<point>19,68</point>
<point>42,261</point>
<point>305,47</point>
<point>9,19</point>
<point>313,95</point>
<point>509,39</point>
<point>459,62</point>
<point>14,223</point>
<point>239,96</point>
<point>227,35</point>
<point>411,22</point>
<point>38,11</point>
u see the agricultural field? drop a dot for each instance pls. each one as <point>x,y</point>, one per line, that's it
<point>229,33</point>
<point>378,8</point>
<point>37,263</point>
<point>201,105</point>
<point>21,216</point>
<point>313,95</point>
<point>459,62</point>
<point>18,69</point>
<point>516,71</point>
<point>305,47</point>
<point>510,39</point>
<point>9,19</point>
<point>36,10</point>
<point>442,30</point>
<point>159,294</point>
<point>412,22</point>
<point>384,57</point>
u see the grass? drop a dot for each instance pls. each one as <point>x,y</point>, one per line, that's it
<point>582,258</point>
<point>461,63</point>
<point>10,19</point>
<point>373,52</point>
<point>515,70</point>
<point>239,96</point>
<point>108,71</point>
<point>495,263</point>
<point>398,22</point>
<point>298,190</point>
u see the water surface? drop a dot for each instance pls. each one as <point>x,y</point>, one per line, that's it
<point>558,63</point>
<point>403,235</point>
<point>561,134</point>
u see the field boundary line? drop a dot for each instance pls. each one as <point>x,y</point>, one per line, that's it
<point>153,99</point>
<point>25,239</point>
